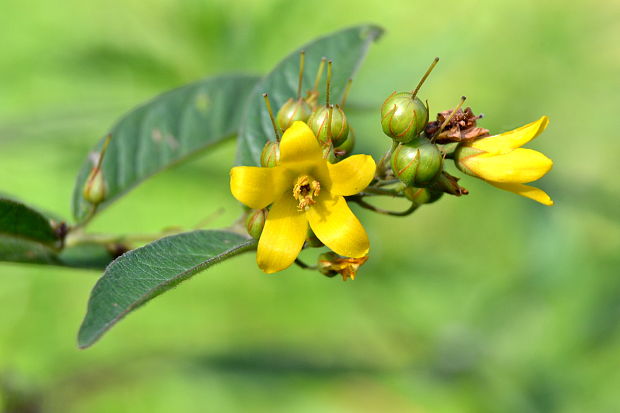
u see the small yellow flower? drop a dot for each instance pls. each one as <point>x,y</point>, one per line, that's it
<point>500,161</point>
<point>304,189</point>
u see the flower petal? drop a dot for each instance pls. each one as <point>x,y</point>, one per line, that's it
<point>299,145</point>
<point>516,138</point>
<point>352,174</point>
<point>283,236</point>
<point>527,191</point>
<point>520,165</point>
<point>335,225</point>
<point>257,187</point>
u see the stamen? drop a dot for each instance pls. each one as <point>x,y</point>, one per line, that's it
<point>304,191</point>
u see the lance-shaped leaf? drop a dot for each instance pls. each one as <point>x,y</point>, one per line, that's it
<point>26,235</point>
<point>141,274</point>
<point>164,132</point>
<point>346,48</point>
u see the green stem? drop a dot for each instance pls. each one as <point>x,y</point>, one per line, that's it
<point>382,191</point>
<point>381,167</point>
<point>366,205</point>
<point>305,266</point>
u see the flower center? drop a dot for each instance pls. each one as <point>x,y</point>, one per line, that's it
<point>304,191</point>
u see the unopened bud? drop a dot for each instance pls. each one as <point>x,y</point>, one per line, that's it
<point>255,222</point>
<point>421,196</point>
<point>346,148</point>
<point>312,241</point>
<point>291,111</point>
<point>403,116</point>
<point>417,163</point>
<point>449,184</point>
<point>95,187</point>
<point>270,156</point>
<point>319,123</point>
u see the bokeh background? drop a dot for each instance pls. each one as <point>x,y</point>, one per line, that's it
<point>485,303</point>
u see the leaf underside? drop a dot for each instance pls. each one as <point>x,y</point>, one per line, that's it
<point>163,132</point>
<point>142,274</point>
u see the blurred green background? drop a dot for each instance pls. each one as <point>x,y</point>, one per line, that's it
<point>486,303</point>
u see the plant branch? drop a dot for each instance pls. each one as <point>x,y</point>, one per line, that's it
<point>358,200</point>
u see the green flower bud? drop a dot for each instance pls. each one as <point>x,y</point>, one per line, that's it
<point>346,148</point>
<point>95,189</point>
<point>292,111</point>
<point>312,241</point>
<point>318,122</point>
<point>270,156</point>
<point>417,163</point>
<point>403,117</point>
<point>421,196</point>
<point>255,222</point>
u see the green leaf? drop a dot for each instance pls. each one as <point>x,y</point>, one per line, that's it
<point>142,274</point>
<point>26,235</point>
<point>347,49</point>
<point>165,131</point>
<point>20,221</point>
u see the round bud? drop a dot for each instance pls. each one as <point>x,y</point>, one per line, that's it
<point>255,222</point>
<point>403,117</point>
<point>312,241</point>
<point>346,148</point>
<point>421,196</point>
<point>94,190</point>
<point>318,122</point>
<point>291,111</point>
<point>417,163</point>
<point>270,156</point>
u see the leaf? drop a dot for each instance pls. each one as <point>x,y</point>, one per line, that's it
<point>20,221</point>
<point>165,131</point>
<point>141,274</point>
<point>347,49</point>
<point>26,235</point>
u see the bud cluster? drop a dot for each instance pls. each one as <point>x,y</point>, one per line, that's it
<point>417,158</point>
<point>327,121</point>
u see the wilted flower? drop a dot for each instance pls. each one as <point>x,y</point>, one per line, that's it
<point>331,264</point>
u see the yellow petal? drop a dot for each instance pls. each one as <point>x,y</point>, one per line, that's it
<point>351,175</point>
<point>520,165</point>
<point>516,138</point>
<point>283,236</point>
<point>335,225</point>
<point>257,187</point>
<point>527,191</point>
<point>299,145</point>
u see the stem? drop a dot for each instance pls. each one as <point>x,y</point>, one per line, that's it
<point>448,119</point>
<point>382,191</point>
<point>302,56</point>
<point>319,73</point>
<point>346,93</point>
<point>329,82</point>
<point>428,72</point>
<point>381,166</point>
<point>305,266</point>
<point>273,121</point>
<point>358,200</point>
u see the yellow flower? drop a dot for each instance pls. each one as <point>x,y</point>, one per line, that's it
<point>304,189</point>
<point>500,161</point>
